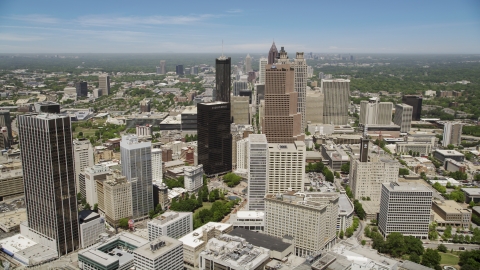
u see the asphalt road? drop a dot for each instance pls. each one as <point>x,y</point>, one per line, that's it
<point>453,246</point>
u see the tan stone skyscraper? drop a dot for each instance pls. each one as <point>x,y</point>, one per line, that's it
<point>281,122</point>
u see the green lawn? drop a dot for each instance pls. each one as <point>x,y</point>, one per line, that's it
<point>206,205</point>
<point>449,259</point>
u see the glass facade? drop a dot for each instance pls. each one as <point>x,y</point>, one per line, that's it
<point>223,70</point>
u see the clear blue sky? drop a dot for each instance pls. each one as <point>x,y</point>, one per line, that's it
<point>34,26</point>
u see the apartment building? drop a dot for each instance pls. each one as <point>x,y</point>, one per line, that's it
<point>286,167</point>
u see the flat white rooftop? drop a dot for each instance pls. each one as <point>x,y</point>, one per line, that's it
<point>194,239</point>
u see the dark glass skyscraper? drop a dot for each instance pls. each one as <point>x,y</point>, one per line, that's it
<point>49,178</point>
<point>223,71</point>
<point>179,70</point>
<point>416,102</point>
<point>214,137</point>
<point>82,89</point>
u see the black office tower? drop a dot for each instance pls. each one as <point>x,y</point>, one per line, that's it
<point>416,103</point>
<point>223,70</point>
<point>49,179</point>
<point>179,70</point>
<point>214,137</point>
<point>82,89</point>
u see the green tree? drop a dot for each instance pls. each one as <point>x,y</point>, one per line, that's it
<point>470,260</point>
<point>95,207</point>
<point>448,232</point>
<point>87,206</point>
<point>432,231</point>
<point>442,248</point>
<point>396,244</point>
<point>340,235</point>
<point>431,258</point>
<point>151,213</point>
<point>451,147</point>
<point>349,232</point>
<point>363,242</point>
<point>403,171</point>
<point>345,168</point>
<point>123,223</point>
<point>414,258</point>
<point>329,176</point>
<point>414,245</point>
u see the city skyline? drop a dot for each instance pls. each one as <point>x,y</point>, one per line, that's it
<point>366,27</point>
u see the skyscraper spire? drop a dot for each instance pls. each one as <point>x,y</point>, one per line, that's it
<point>272,54</point>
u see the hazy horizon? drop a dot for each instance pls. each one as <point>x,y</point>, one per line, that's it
<point>355,27</point>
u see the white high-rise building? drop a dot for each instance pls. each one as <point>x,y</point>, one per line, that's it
<point>257,171</point>
<point>311,222</point>
<point>88,185</point>
<point>136,160</point>
<point>83,157</point>
<point>403,117</point>
<point>157,174</point>
<point>337,99</point>
<point>452,133</point>
<point>172,224</point>
<point>373,112</point>
<point>405,208</point>
<point>300,66</point>
<point>262,69</point>
<point>286,167</point>
<point>193,177</point>
<point>366,178</point>
<point>242,154</point>
<point>248,63</point>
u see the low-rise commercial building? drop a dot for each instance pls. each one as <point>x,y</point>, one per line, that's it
<point>171,224</point>
<point>405,208</point>
<point>232,252</point>
<point>442,155</point>
<point>249,220</point>
<point>92,226</point>
<point>471,194</point>
<point>448,212</point>
<point>454,166</point>
<point>162,253</point>
<point>404,148</point>
<point>194,242</point>
<point>112,253</point>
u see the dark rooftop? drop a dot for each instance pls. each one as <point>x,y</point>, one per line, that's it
<point>260,239</point>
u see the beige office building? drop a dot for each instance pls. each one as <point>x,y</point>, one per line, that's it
<point>452,133</point>
<point>373,112</point>
<point>310,222</point>
<point>11,184</point>
<point>104,84</point>
<point>314,107</point>
<point>239,106</point>
<point>83,157</point>
<point>337,99</point>
<point>449,212</point>
<point>366,178</point>
<point>300,66</point>
<point>282,122</point>
<point>115,198</point>
<point>286,167</point>
<point>403,117</point>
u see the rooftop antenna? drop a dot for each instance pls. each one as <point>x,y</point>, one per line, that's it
<point>222,47</point>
